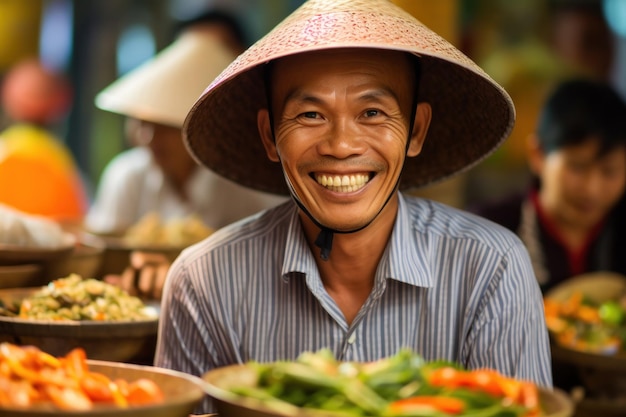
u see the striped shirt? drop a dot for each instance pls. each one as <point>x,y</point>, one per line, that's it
<point>450,286</point>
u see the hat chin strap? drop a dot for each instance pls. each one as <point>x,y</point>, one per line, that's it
<point>324,239</point>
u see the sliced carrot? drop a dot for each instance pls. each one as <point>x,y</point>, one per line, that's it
<point>144,391</point>
<point>68,398</point>
<point>424,402</point>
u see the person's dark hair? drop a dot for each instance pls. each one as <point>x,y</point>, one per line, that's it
<point>580,109</point>
<point>220,17</point>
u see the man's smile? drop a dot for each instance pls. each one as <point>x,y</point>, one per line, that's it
<point>343,183</point>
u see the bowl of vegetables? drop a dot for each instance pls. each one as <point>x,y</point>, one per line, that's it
<point>38,384</point>
<point>74,312</point>
<point>316,384</point>
<point>586,318</point>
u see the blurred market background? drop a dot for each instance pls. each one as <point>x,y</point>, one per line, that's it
<point>94,42</point>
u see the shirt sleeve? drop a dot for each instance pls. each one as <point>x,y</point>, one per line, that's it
<point>510,333</point>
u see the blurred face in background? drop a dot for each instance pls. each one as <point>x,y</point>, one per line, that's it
<point>166,147</point>
<point>583,39</point>
<point>578,185</point>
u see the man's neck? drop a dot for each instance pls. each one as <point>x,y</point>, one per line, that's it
<point>348,274</point>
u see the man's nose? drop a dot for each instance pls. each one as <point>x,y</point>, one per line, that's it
<point>343,139</point>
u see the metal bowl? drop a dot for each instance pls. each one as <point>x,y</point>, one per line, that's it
<point>182,394</point>
<point>218,383</point>
<point>123,341</point>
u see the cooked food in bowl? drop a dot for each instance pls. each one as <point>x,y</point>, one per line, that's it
<point>587,313</point>
<point>152,230</point>
<point>42,385</point>
<point>33,378</point>
<point>401,385</point>
<point>582,324</point>
<point>75,298</point>
<point>102,328</point>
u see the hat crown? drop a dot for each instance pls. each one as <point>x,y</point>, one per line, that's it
<point>322,24</point>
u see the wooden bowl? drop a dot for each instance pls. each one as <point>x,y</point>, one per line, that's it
<point>26,275</point>
<point>86,259</point>
<point>218,384</point>
<point>116,256</point>
<point>603,377</point>
<point>18,255</point>
<point>182,394</point>
<point>120,341</point>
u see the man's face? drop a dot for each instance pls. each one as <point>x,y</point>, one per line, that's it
<point>579,188</point>
<point>341,129</point>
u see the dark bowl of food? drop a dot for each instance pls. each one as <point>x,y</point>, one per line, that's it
<point>74,312</point>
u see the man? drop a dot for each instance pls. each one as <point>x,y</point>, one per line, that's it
<point>362,101</point>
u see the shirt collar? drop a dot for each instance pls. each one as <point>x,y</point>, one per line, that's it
<point>404,260</point>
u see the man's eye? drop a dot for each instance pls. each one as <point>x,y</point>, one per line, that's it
<point>371,113</point>
<point>310,115</point>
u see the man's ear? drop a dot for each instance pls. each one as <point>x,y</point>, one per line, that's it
<point>534,154</point>
<point>267,136</point>
<point>423,114</point>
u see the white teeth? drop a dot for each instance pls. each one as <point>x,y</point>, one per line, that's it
<point>343,184</point>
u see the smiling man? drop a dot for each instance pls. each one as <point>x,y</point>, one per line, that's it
<point>343,106</point>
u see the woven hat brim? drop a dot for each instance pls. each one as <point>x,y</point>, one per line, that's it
<point>164,88</point>
<point>472,114</point>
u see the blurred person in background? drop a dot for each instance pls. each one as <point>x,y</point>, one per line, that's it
<point>532,47</point>
<point>571,216</point>
<point>579,35</point>
<point>38,174</point>
<point>157,174</point>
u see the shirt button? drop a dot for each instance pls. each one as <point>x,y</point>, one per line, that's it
<point>352,338</point>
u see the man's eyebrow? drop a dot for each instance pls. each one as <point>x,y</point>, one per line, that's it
<point>378,93</point>
<point>301,96</point>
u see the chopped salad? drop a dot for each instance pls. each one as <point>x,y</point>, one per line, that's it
<point>75,298</point>
<point>401,385</point>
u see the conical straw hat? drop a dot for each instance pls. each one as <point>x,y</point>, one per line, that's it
<point>163,89</point>
<point>472,114</point>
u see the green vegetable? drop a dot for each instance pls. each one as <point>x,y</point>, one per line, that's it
<point>611,312</point>
<point>318,381</point>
